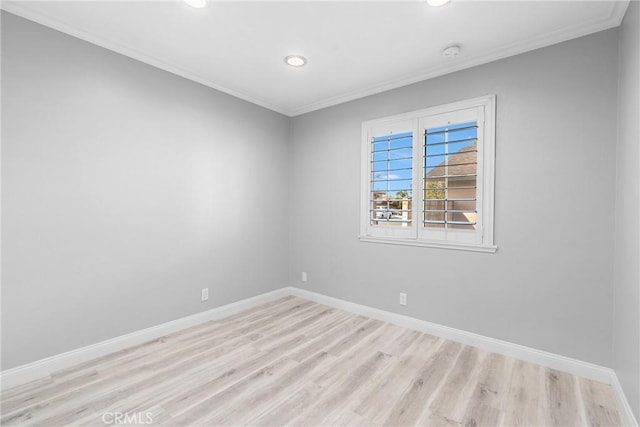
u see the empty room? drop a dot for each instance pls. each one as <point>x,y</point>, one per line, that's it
<point>320,213</point>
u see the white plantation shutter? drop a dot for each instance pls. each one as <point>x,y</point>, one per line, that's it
<point>450,176</point>
<point>428,177</point>
<point>390,175</point>
<point>391,179</point>
<point>452,172</point>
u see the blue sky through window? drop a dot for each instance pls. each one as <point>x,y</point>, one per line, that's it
<point>392,163</point>
<point>446,141</point>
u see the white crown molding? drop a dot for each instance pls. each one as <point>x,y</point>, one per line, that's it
<point>24,10</point>
<point>618,9</point>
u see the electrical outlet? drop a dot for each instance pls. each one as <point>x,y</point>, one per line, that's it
<point>304,276</point>
<point>403,298</point>
<point>204,294</point>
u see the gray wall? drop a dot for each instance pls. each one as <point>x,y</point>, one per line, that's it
<point>125,190</point>
<point>549,284</point>
<point>626,302</point>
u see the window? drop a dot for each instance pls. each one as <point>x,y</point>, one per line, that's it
<point>428,177</point>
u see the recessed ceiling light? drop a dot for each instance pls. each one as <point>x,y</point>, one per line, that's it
<point>196,3</point>
<point>295,60</point>
<point>451,51</point>
<point>437,2</point>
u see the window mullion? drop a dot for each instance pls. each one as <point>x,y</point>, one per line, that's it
<point>446,180</point>
<point>416,199</point>
<point>419,202</point>
<point>388,188</point>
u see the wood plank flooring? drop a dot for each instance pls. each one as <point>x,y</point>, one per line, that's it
<point>295,362</point>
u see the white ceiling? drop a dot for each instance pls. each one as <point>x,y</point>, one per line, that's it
<point>354,48</point>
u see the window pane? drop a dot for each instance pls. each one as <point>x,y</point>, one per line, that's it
<point>380,146</point>
<point>391,165</point>
<point>468,169</point>
<point>462,146</point>
<point>379,186</point>
<point>401,164</point>
<point>434,219</point>
<point>399,185</point>
<point>434,206</point>
<point>395,211</point>
<point>435,189</point>
<point>401,153</point>
<point>464,217</point>
<point>393,175</point>
<point>434,216</point>
<point>380,156</point>
<point>402,143</point>
<point>460,184</point>
<point>390,195</point>
<point>436,150</point>
<point>435,160</point>
<point>461,205</point>
<point>450,169</point>
<point>435,138</point>
<point>391,180</point>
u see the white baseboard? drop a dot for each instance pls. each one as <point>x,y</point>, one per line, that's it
<point>626,414</point>
<point>543,358</point>
<point>44,367</point>
<point>549,360</point>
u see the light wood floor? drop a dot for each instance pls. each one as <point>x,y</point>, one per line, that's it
<point>292,361</point>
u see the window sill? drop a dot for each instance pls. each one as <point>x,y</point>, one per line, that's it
<point>430,244</point>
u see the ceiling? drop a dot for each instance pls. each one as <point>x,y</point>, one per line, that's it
<point>354,48</point>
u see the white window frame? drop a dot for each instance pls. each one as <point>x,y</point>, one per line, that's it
<point>385,128</point>
<point>482,110</point>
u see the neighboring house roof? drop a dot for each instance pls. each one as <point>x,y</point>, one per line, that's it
<point>467,159</point>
